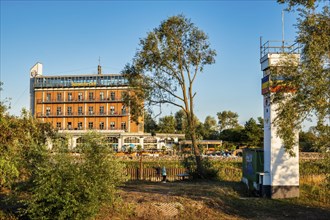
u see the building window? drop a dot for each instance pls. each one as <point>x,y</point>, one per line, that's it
<point>123,110</point>
<point>59,96</point>
<point>90,110</point>
<point>112,125</point>
<point>69,126</point>
<point>47,111</point>
<point>123,126</point>
<point>59,111</point>
<point>80,112</point>
<point>91,96</point>
<point>101,110</point>
<point>101,125</point>
<point>58,125</point>
<point>112,96</point>
<point>101,96</point>
<point>79,125</point>
<point>80,96</point>
<point>69,96</point>
<point>48,97</point>
<point>112,110</point>
<point>90,125</point>
<point>69,110</point>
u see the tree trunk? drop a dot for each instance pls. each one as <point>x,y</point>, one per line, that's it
<point>191,121</point>
<point>200,169</point>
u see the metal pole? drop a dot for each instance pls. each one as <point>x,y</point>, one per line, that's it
<point>283,30</point>
<point>260,47</point>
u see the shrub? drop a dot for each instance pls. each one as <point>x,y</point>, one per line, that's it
<point>74,186</point>
<point>209,171</point>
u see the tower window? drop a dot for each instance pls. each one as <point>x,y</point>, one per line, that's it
<point>90,125</point>
<point>58,125</point>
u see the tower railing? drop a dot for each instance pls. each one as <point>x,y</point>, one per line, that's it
<point>273,46</point>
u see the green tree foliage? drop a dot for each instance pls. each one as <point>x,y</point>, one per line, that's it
<point>310,79</point>
<point>23,142</point>
<point>227,120</point>
<point>253,132</point>
<point>180,121</point>
<point>234,135</point>
<point>208,129</point>
<point>166,124</point>
<point>74,186</point>
<point>307,141</point>
<point>165,68</point>
<point>293,3</point>
<point>150,124</point>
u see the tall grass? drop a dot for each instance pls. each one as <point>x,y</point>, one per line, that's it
<point>314,182</point>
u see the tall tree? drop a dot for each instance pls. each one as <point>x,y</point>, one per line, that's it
<point>180,121</point>
<point>227,120</point>
<point>253,132</point>
<point>150,124</point>
<point>210,128</point>
<point>310,79</point>
<point>166,67</point>
<point>167,125</point>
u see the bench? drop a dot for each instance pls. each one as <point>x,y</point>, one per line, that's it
<point>182,176</point>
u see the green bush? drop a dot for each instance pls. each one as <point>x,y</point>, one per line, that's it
<point>75,186</point>
<point>209,171</point>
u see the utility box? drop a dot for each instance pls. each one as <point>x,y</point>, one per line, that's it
<point>253,165</point>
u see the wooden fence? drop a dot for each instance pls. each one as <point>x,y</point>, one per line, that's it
<point>150,174</point>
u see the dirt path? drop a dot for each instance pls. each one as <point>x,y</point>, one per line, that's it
<point>205,200</point>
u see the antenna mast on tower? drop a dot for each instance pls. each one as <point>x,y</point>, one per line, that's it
<point>99,69</point>
<point>283,29</point>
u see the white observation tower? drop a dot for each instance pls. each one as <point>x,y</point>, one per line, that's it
<point>280,178</point>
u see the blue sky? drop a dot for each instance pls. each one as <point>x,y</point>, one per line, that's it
<point>69,37</point>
